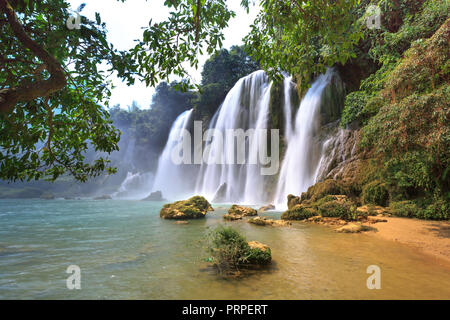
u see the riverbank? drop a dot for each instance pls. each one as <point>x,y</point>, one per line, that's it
<point>430,237</point>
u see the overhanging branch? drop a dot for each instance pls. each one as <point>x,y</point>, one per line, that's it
<point>24,92</point>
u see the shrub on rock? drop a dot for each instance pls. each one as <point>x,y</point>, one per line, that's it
<point>299,212</point>
<point>229,250</point>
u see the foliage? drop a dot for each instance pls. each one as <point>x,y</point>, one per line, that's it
<point>403,23</point>
<point>220,73</point>
<point>304,37</point>
<point>354,103</point>
<point>375,192</point>
<point>229,250</point>
<point>298,212</point>
<point>193,27</point>
<point>47,136</point>
<point>330,206</point>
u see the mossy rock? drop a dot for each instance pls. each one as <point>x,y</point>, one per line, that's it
<point>299,212</point>
<point>323,188</point>
<point>268,222</point>
<point>192,208</point>
<point>259,253</point>
<point>337,206</point>
<point>293,201</point>
<point>376,193</point>
<point>242,211</point>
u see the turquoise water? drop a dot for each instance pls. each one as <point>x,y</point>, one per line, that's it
<point>125,251</point>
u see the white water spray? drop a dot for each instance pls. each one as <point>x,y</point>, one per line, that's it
<point>170,178</point>
<point>246,106</point>
<point>303,153</point>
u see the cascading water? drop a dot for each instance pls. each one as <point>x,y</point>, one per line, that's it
<point>245,107</point>
<point>134,185</point>
<point>287,107</point>
<point>303,153</point>
<point>170,178</point>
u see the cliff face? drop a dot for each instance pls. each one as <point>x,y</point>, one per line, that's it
<point>403,146</point>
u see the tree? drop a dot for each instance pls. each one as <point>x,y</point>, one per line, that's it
<point>52,92</point>
<point>303,37</point>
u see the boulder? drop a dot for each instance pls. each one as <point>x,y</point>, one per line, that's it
<point>266,208</point>
<point>154,196</point>
<point>293,201</point>
<point>232,217</point>
<point>242,211</point>
<point>103,197</point>
<point>268,222</point>
<point>354,228</point>
<point>259,253</point>
<point>192,208</point>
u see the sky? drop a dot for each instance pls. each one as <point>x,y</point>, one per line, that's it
<point>124,22</point>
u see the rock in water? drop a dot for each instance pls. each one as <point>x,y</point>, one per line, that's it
<point>238,212</point>
<point>104,197</point>
<point>242,211</point>
<point>154,196</point>
<point>220,193</point>
<point>268,222</point>
<point>266,208</point>
<point>192,208</point>
<point>259,253</point>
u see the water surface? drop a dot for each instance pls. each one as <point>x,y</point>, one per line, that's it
<point>125,251</point>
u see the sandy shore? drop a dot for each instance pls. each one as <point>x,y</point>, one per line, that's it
<point>430,237</point>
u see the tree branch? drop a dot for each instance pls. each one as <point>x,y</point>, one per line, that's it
<point>24,92</point>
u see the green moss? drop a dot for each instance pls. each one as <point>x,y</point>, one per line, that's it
<point>259,257</point>
<point>242,211</point>
<point>299,212</point>
<point>193,208</point>
<point>335,208</point>
<point>327,187</point>
<point>376,193</point>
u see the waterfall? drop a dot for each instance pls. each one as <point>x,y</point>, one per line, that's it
<point>287,107</point>
<point>135,185</point>
<point>170,178</point>
<point>311,144</point>
<point>304,149</point>
<point>245,107</point>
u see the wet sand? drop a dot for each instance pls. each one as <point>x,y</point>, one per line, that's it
<point>430,237</point>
